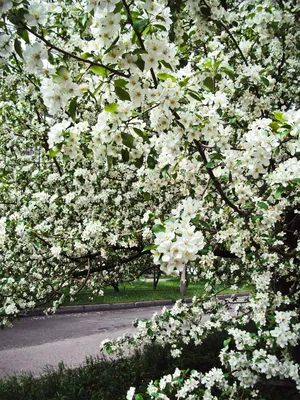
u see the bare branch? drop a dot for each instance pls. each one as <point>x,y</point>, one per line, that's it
<point>76,274</point>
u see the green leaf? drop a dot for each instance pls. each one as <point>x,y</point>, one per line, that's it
<point>164,77</point>
<point>179,124</point>
<point>158,228</point>
<point>210,165</point>
<point>150,247</point>
<point>209,83</point>
<point>128,140</point>
<point>140,24</point>
<point>216,156</point>
<point>161,27</point>
<point>195,220</point>
<point>85,56</point>
<point>226,342</point>
<point>226,392</point>
<point>139,397</point>
<point>62,71</point>
<point>140,133</point>
<point>18,48</point>
<point>99,70</point>
<point>140,63</point>
<point>217,64</point>
<point>151,162</point>
<point>118,8</point>
<point>139,51</point>
<point>265,81</point>
<point>279,192</point>
<point>139,162</point>
<point>112,46</point>
<point>263,205</point>
<point>72,108</point>
<point>16,17</point>
<point>125,155</point>
<point>184,82</point>
<point>205,224</point>
<point>150,332</point>
<point>120,82</point>
<point>23,34</point>
<point>112,107</point>
<point>83,19</point>
<point>147,196</point>
<point>207,62</point>
<point>296,181</point>
<point>164,171</point>
<point>122,94</point>
<point>166,64</point>
<point>274,126</point>
<point>109,160</point>
<point>87,151</point>
<point>229,71</point>
<point>279,116</point>
<point>194,94</point>
<point>205,11</point>
<point>284,134</point>
<point>53,152</point>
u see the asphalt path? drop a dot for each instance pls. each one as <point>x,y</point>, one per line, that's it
<point>36,342</point>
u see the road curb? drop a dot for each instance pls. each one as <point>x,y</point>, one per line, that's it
<point>120,306</point>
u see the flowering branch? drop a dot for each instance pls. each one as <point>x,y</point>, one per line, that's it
<point>139,36</point>
<point>231,37</point>
<point>217,183</point>
<point>66,53</point>
<point>234,41</point>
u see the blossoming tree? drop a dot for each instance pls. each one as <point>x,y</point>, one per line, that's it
<point>165,132</point>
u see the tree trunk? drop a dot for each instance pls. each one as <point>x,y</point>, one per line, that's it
<point>156,276</point>
<point>183,282</point>
<point>115,285</point>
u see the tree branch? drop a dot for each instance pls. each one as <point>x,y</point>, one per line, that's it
<point>229,34</point>
<point>234,41</point>
<point>224,254</point>
<point>66,53</point>
<point>280,69</point>
<point>139,36</point>
<point>282,252</point>
<point>217,183</point>
<point>77,274</point>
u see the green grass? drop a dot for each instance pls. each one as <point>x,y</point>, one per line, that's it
<point>142,290</point>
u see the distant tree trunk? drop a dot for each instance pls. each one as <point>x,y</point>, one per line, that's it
<point>183,282</point>
<point>115,285</point>
<point>156,276</point>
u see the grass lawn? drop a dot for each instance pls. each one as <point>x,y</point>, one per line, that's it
<point>142,289</point>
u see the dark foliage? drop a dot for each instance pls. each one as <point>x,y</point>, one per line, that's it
<point>101,379</point>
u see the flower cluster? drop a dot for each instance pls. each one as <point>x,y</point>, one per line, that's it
<point>178,245</point>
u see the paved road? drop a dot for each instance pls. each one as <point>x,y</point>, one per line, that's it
<point>32,343</point>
